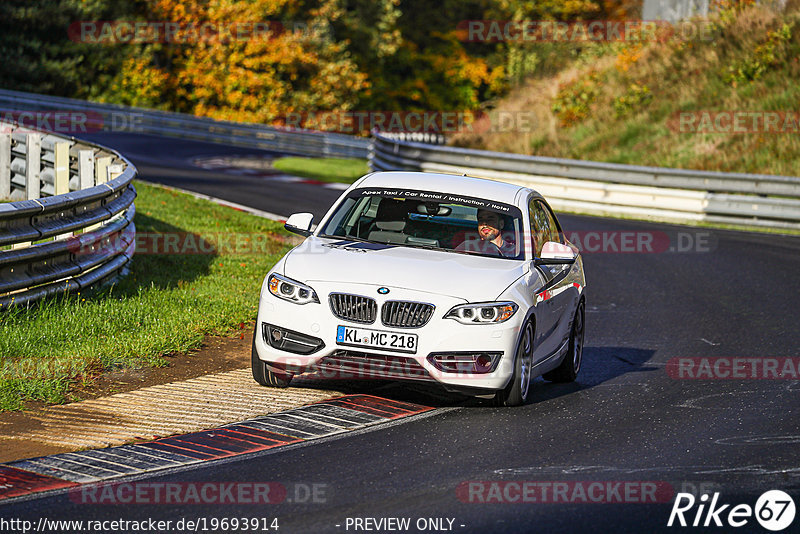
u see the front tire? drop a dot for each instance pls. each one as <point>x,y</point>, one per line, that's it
<point>261,374</point>
<point>569,368</point>
<point>516,393</point>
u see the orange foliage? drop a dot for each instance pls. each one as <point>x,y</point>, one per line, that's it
<point>622,9</point>
<point>237,72</point>
<point>627,57</point>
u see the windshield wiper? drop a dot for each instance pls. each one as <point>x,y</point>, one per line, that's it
<point>347,238</point>
<point>429,247</point>
<point>482,254</point>
<point>354,238</point>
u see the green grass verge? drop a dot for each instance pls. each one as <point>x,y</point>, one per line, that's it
<point>167,304</point>
<point>345,170</point>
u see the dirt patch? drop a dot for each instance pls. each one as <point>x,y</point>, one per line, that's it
<point>217,354</point>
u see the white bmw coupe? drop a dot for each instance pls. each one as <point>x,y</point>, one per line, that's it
<point>410,275</point>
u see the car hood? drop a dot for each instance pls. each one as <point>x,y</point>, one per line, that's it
<point>473,278</point>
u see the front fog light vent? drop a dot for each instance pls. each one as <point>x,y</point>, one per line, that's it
<point>465,362</point>
<point>483,363</point>
<point>289,340</point>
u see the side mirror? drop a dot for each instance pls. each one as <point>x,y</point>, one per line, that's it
<point>299,223</point>
<point>556,254</point>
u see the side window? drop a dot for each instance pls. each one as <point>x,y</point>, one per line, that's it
<point>540,227</point>
<point>551,222</point>
<point>352,221</point>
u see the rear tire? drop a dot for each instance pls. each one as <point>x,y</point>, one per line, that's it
<point>261,374</point>
<point>517,392</point>
<point>569,368</point>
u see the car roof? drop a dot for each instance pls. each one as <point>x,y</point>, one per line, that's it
<point>445,183</point>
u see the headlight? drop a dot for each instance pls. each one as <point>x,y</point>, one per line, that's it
<point>482,312</point>
<point>291,290</point>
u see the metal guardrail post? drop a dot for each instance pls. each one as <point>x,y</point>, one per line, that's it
<point>86,169</point>
<point>101,166</point>
<point>33,166</point>
<point>113,171</point>
<point>101,170</point>
<point>61,168</point>
<point>61,174</point>
<point>5,166</point>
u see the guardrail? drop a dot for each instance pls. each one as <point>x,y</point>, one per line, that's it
<point>677,195</point>
<point>571,185</point>
<point>74,230</point>
<point>105,117</point>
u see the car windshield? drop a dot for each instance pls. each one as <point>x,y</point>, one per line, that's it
<point>425,219</point>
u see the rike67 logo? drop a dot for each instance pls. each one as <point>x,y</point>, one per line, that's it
<point>774,510</point>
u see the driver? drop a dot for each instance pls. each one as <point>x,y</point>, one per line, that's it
<point>490,232</point>
<point>490,225</point>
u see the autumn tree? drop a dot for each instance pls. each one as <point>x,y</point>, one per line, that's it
<point>260,60</point>
<point>39,56</point>
<point>221,65</point>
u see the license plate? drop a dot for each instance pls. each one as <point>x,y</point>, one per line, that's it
<point>365,337</point>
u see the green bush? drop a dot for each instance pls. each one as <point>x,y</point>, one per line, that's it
<point>634,98</point>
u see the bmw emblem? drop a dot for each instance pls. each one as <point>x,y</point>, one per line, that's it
<point>383,290</point>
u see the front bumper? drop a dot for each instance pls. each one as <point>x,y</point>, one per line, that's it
<point>316,321</point>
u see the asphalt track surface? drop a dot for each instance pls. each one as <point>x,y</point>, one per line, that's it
<point>172,162</point>
<point>626,419</point>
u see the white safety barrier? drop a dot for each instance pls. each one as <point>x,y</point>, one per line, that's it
<point>678,195</point>
<point>71,226</point>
